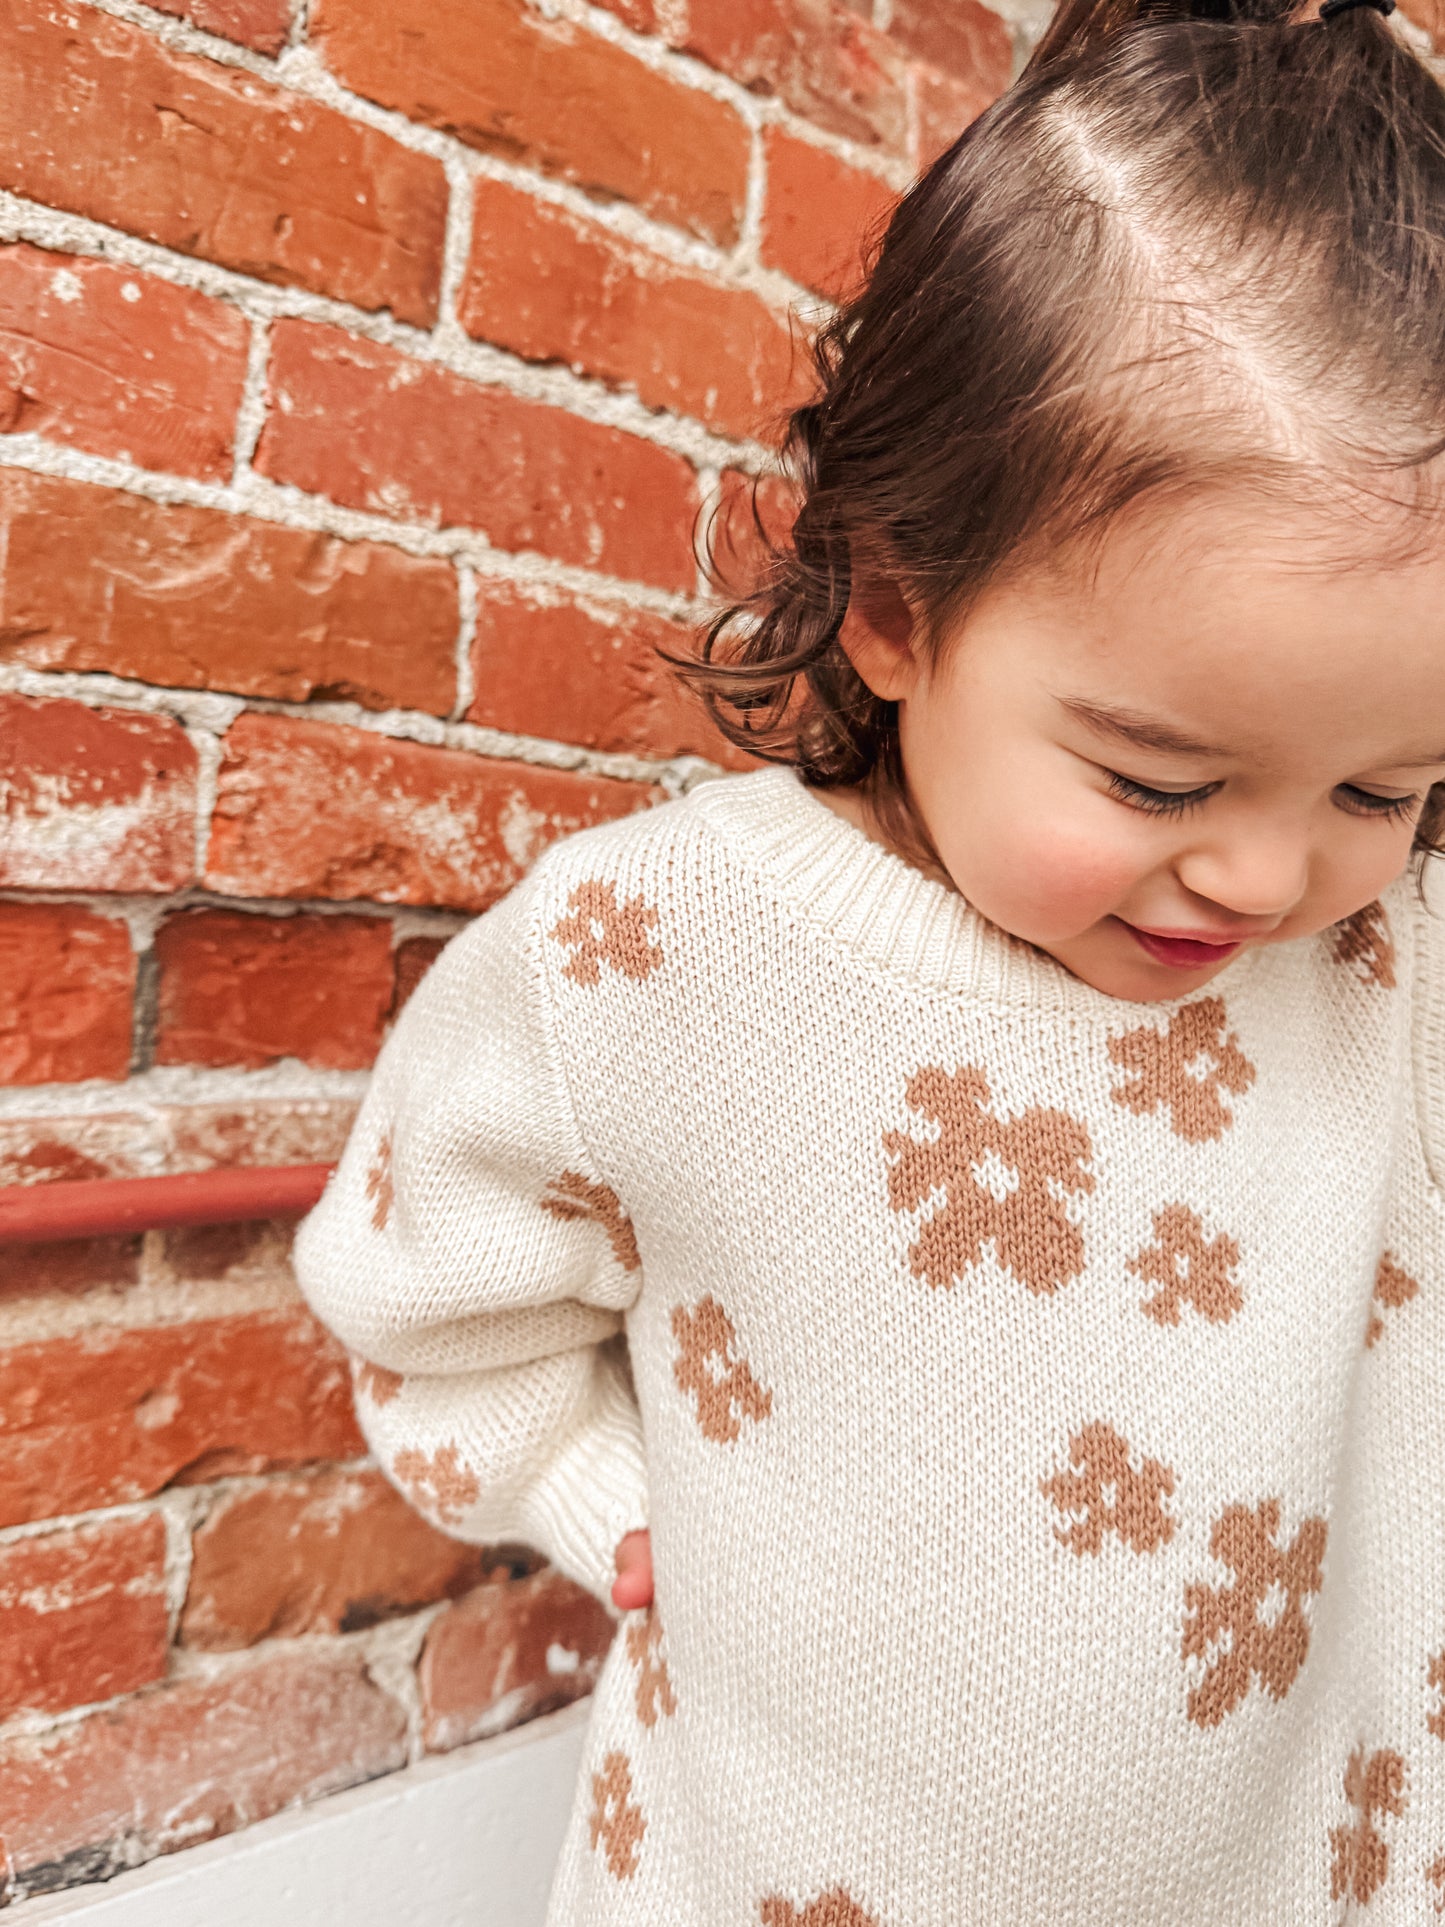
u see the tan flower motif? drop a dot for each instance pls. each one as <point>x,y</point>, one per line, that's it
<point>836,1908</point>
<point>1374,1788</point>
<point>374,1381</point>
<point>436,1483</point>
<point>1110,1494</point>
<point>1435,1877</point>
<point>1393,1287</point>
<point>572,1196</point>
<point>1364,943</point>
<point>654,1684</point>
<point>1184,1068</point>
<point>1435,1680</point>
<point>1188,1267</point>
<point>1255,1628</point>
<point>600,930</point>
<point>703,1336</point>
<point>616,1820</point>
<point>1008,1183</point>
<point>379,1186</point>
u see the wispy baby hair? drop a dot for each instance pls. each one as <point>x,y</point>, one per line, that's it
<point>1194,244</point>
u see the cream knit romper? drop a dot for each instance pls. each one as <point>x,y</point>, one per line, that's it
<point>1037,1400</point>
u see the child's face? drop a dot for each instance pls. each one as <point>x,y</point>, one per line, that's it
<point>1223,737</point>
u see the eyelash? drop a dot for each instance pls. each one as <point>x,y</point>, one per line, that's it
<point>1139,796</point>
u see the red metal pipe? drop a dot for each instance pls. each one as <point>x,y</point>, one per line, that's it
<point>114,1207</point>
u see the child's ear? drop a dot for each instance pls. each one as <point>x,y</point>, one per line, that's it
<point>878,636</point>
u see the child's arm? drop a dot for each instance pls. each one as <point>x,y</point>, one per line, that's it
<point>472,1258</point>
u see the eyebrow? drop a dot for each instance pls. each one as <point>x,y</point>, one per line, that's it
<point>1149,732</point>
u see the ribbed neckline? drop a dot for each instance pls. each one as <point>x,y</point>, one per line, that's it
<point>889,914</point>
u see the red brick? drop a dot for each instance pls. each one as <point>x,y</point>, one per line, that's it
<point>372,429</point>
<point>640,15</point>
<point>330,1554</point>
<point>82,1615</point>
<point>511,1651</point>
<point>829,65</point>
<point>94,799</point>
<point>260,24</point>
<point>585,675</point>
<point>66,982</point>
<point>738,551</point>
<point>819,214</point>
<point>961,37</point>
<point>307,810</point>
<point>118,363</point>
<point>189,1761</point>
<point>414,959</point>
<point>95,578</point>
<point>502,78</point>
<point>49,1150</point>
<point>207,1251</point>
<point>113,1415</point>
<point>946,105</point>
<point>553,288</point>
<point>240,989</point>
<point>173,1137</point>
<point>73,1266</point>
<point>97,117</point>
<point>1428,14</point>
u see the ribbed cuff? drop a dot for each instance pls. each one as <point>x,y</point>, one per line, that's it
<point>594,1491</point>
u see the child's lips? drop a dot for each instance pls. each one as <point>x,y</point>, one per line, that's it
<point>1181,952</point>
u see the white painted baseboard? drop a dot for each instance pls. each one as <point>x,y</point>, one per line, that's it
<point>469,1839</point>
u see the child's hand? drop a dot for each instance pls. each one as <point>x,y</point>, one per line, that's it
<point>633,1584</point>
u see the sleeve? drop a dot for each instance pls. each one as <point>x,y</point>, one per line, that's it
<point>474,1262</point>
<point>1428,1017</point>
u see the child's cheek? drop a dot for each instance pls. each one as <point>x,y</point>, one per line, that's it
<point>1057,881</point>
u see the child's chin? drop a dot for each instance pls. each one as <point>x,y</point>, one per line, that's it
<point>1110,962</point>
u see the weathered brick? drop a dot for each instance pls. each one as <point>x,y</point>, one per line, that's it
<point>414,958</point>
<point>260,24</point>
<point>114,1415</point>
<point>1429,14</point>
<point>509,1652</point>
<point>946,105</point>
<point>242,989</point>
<point>960,37</point>
<point>827,63</point>
<point>586,675</point>
<point>296,1130</point>
<point>737,546</point>
<point>553,288</point>
<point>82,1615</point>
<point>819,214</point>
<point>188,1761</point>
<point>95,578</point>
<point>308,810</point>
<point>66,981</point>
<point>97,117</point>
<point>72,1266</point>
<point>199,1252</point>
<point>370,428</point>
<point>640,15</point>
<point>118,363</point>
<point>94,799</point>
<point>328,1554</point>
<point>502,78</point>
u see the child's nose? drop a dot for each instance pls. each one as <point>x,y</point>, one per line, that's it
<point>1249,876</point>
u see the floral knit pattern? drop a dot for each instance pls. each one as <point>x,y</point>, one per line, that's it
<point>379,1186</point>
<point>987,1181</point>
<point>437,1483</point>
<point>705,1369</point>
<point>1435,1877</point>
<point>1254,1628</point>
<point>1187,1069</point>
<point>617,1823</point>
<point>1375,1788</point>
<point>1189,1267</point>
<point>655,1696</point>
<point>573,1196</point>
<point>1100,1492</point>
<point>375,1381</point>
<point>833,1909</point>
<point>1435,1680</point>
<point>1363,942</point>
<point>1393,1287</point>
<point>599,930</point>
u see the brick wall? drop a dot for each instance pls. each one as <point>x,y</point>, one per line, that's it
<point>362,371</point>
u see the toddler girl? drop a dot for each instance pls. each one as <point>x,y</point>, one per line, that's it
<point>955,1214</point>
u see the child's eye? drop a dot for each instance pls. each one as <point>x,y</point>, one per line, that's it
<point>1139,796</point>
<point>1366,803</point>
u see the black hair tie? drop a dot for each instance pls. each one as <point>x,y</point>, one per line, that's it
<point>1332,7</point>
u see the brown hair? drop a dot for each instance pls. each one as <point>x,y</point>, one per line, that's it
<point>1169,189</point>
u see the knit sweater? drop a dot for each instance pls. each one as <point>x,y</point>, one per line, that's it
<point>1034,1397</point>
